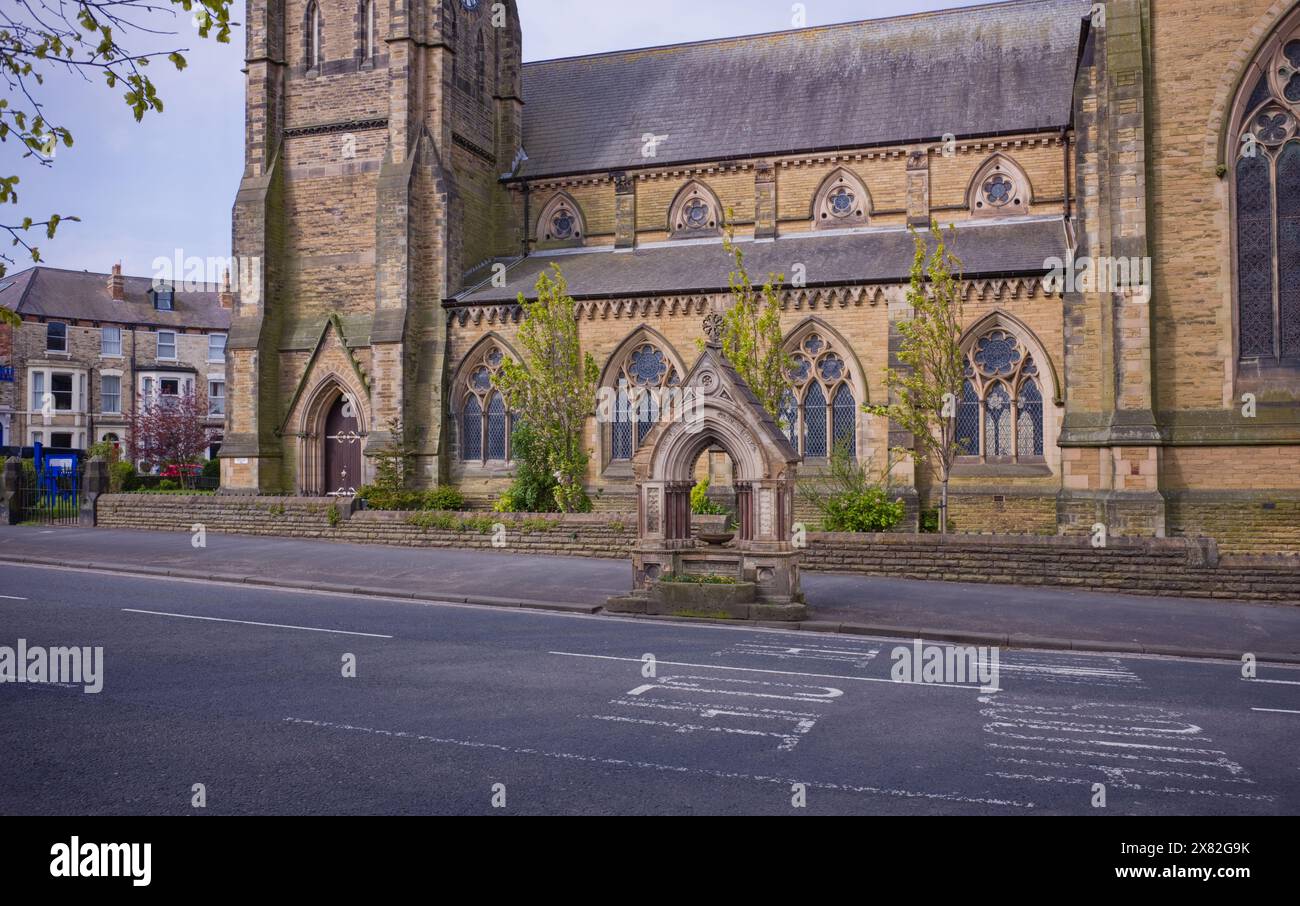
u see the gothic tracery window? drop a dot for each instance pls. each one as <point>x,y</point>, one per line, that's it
<point>1266,174</point>
<point>1000,413</point>
<point>695,213</point>
<point>1000,189</point>
<point>561,221</point>
<point>819,413</point>
<point>842,201</point>
<point>643,375</point>
<point>485,421</point>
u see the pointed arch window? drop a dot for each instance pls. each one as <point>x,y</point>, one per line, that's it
<point>1000,189</point>
<point>1000,415</point>
<point>820,413</point>
<point>561,222</point>
<point>696,213</point>
<point>480,65</point>
<point>1266,205</point>
<point>841,202</point>
<point>642,377</point>
<point>485,422</point>
<point>314,36</point>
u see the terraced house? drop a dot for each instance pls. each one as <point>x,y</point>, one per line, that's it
<point>408,177</point>
<point>93,347</point>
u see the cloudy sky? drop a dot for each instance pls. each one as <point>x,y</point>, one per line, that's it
<point>144,190</point>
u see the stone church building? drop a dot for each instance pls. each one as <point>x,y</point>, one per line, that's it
<point>407,177</point>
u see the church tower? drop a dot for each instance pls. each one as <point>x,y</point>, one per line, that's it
<point>377,134</point>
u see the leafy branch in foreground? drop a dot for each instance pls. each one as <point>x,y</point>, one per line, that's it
<point>87,38</point>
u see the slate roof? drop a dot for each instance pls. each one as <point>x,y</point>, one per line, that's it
<point>1000,68</point>
<point>986,248</point>
<point>50,292</point>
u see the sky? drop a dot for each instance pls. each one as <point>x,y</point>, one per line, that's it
<point>166,185</point>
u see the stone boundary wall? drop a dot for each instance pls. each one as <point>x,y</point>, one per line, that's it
<point>605,535</point>
<point>1175,567</point>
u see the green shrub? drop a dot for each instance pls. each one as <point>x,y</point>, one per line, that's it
<point>444,498</point>
<point>168,484</point>
<point>869,510</point>
<point>122,477</point>
<point>212,469</point>
<point>930,522</point>
<point>697,579</point>
<point>849,499</point>
<point>533,489</point>
<point>701,505</point>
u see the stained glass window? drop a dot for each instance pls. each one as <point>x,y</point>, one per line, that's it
<point>997,421</point>
<point>621,442</point>
<point>814,422</point>
<point>1267,212</point>
<point>790,418</point>
<point>472,430</point>
<point>485,421</point>
<point>1002,395</point>
<point>844,411</point>
<point>642,378</point>
<point>968,421</point>
<point>1029,425</point>
<point>496,428</point>
<point>831,367</point>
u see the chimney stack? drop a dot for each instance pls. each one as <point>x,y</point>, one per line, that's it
<point>116,286</point>
<point>227,298</point>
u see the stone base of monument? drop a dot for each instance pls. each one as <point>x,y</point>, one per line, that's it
<point>737,601</point>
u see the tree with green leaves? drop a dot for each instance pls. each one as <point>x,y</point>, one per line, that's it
<point>925,391</point>
<point>554,389</point>
<point>752,339</point>
<point>87,38</point>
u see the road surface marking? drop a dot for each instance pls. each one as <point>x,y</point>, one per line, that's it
<point>574,757</point>
<point>1276,710</point>
<point>834,676</point>
<point>189,616</point>
<point>12,598</point>
<point>1282,682</point>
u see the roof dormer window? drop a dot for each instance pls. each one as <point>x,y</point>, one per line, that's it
<point>164,297</point>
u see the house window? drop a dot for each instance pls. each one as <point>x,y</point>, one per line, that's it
<point>166,344</point>
<point>485,422</point>
<point>164,297</point>
<point>56,337</point>
<point>61,441</point>
<point>216,347</point>
<point>819,413</point>
<point>169,387</point>
<point>645,373</point>
<point>110,341</point>
<point>61,391</point>
<point>1000,416</point>
<point>216,397</point>
<point>38,391</point>
<point>110,393</point>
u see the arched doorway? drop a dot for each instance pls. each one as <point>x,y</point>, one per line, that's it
<point>342,449</point>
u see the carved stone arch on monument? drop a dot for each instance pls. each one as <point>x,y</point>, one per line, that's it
<point>716,408</point>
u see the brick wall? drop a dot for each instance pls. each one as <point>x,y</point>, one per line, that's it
<point>1182,567</point>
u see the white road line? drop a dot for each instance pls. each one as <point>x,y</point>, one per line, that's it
<point>835,676</point>
<point>1281,682</point>
<point>1275,710</point>
<point>579,758</point>
<point>188,616</point>
<point>12,598</point>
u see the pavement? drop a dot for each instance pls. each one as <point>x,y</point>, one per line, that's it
<point>1003,615</point>
<point>241,692</point>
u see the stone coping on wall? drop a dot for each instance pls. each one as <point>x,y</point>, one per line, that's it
<point>1181,567</point>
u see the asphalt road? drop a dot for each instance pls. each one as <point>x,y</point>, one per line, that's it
<point>452,705</point>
